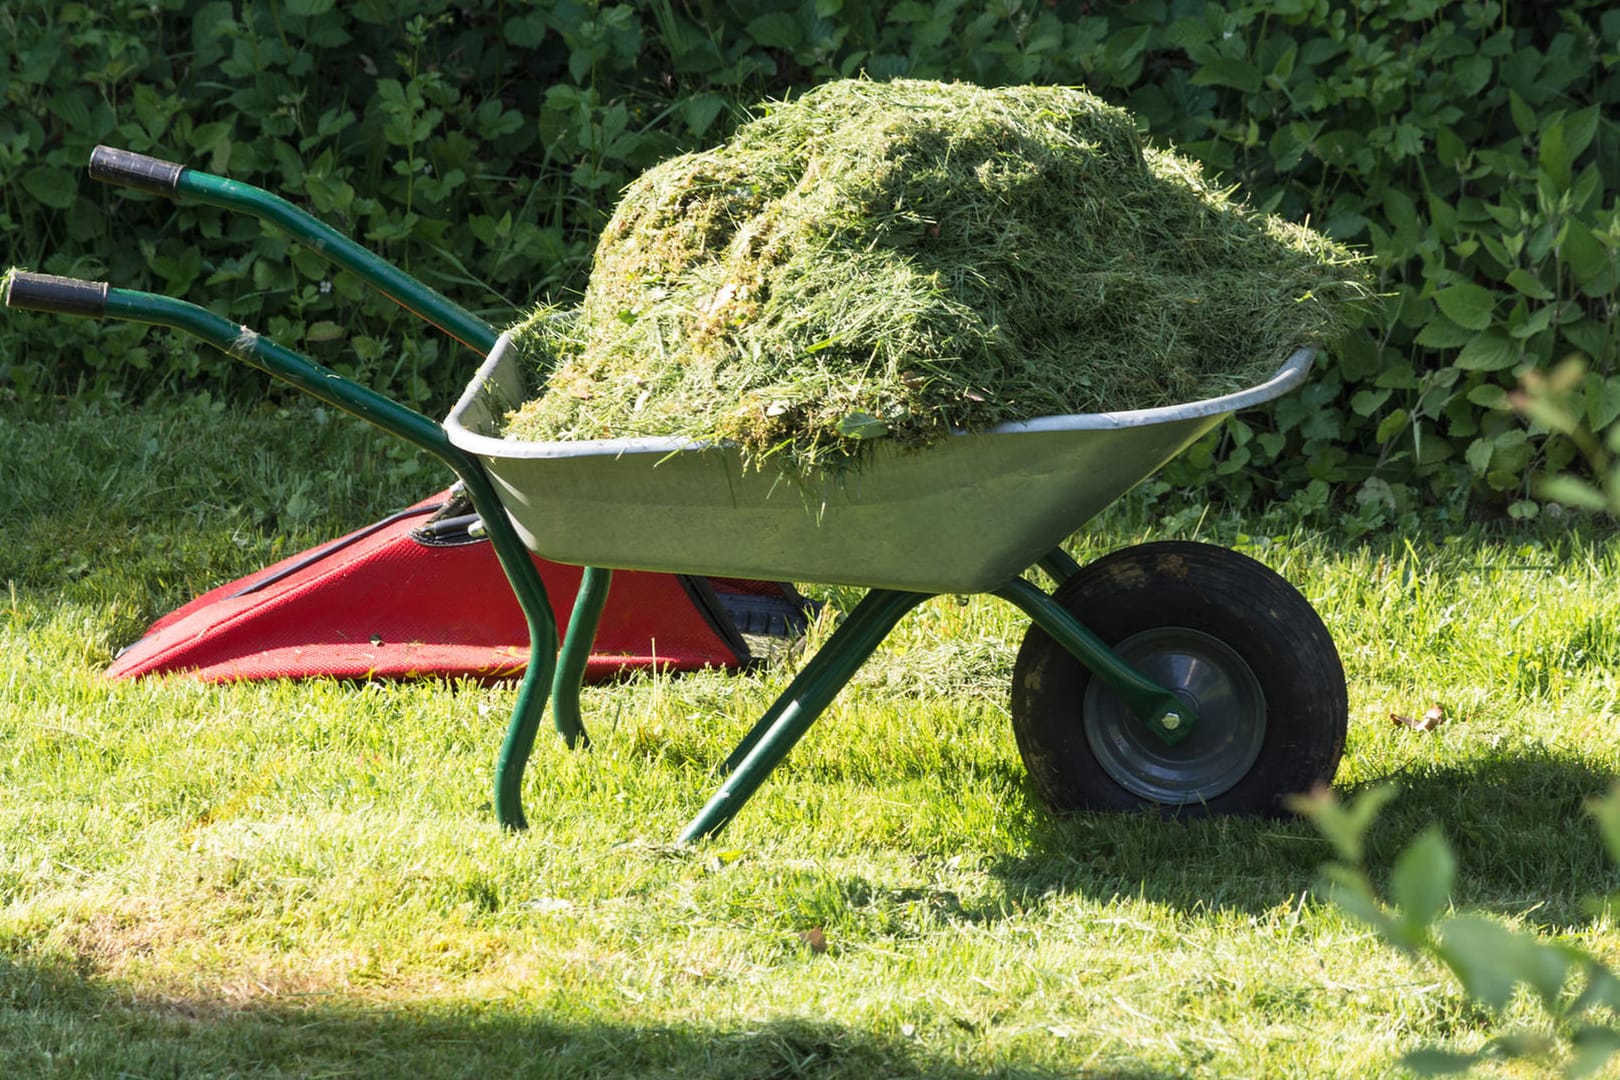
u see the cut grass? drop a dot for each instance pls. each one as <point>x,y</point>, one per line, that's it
<point>305,879</point>
<point>898,259</point>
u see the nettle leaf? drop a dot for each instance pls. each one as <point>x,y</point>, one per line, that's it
<point>1441,333</point>
<point>700,111</point>
<point>55,188</point>
<point>1529,284</point>
<point>1228,71</point>
<point>775,30</point>
<point>1490,351</point>
<point>1367,402</point>
<point>525,31</point>
<point>1469,306</point>
<point>1488,396</point>
<point>1602,401</point>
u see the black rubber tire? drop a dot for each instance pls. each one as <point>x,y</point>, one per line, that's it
<point>1202,620</point>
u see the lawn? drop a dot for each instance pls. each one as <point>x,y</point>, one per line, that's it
<point>306,879</point>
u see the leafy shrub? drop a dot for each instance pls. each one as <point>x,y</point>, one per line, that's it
<point>1469,146</point>
<point>1577,994</point>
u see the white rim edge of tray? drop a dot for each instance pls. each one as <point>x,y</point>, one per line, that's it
<point>1292,372</point>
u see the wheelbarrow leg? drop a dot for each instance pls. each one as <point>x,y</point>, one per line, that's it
<point>576,653</point>
<point>810,692</point>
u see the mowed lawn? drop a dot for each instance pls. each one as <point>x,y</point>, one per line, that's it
<point>306,878</point>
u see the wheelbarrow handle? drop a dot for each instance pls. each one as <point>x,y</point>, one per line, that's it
<point>58,295</point>
<point>143,173</point>
<point>129,169</point>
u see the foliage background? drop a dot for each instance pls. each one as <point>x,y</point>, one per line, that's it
<point>1467,145</point>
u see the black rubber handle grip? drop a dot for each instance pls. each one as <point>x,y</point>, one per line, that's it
<point>61,295</point>
<point>129,169</point>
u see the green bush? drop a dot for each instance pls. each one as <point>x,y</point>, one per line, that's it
<point>1468,146</point>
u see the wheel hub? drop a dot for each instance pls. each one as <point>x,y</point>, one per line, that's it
<point>1217,686</point>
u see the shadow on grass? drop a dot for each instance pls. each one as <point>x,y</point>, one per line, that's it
<point>1517,824</point>
<point>55,1022</point>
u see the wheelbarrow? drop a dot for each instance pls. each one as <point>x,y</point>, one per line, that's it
<point>1174,677</point>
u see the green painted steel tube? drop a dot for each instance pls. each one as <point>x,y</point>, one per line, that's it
<point>1060,565</point>
<point>1152,703</point>
<point>368,405</point>
<point>381,275</point>
<point>804,700</point>
<point>576,653</point>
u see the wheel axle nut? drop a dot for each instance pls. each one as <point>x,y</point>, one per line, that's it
<point>1170,721</point>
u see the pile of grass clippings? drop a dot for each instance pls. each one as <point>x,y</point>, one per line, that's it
<point>903,258</point>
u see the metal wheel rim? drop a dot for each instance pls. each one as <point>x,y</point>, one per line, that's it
<point>1208,675</point>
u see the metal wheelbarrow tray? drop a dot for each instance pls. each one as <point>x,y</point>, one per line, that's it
<point>1171,677</point>
<point>964,516</point>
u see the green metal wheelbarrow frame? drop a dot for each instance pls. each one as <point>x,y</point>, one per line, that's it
<point>555,668</point>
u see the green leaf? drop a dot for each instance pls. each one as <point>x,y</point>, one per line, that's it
<point>1468,305</point>
<point>1529,284</point>
<point>1591,1050</point>
<point>1478,456</point>
<point>1554,157</point>
<point>1228,71</point>
<point>1571,492</point>
<point>1472,73</point>
<point>1441,333</point>
<point>775,30</point>
<point>1420,883</point>
<point>324,330</point>
<point>1490,351</point>
<point>1124,48</point>
<point>309,7</point>
<point>1606,812</point>
<point>1488,959</point>
<point>1402,212</point>
<point>525,31</point>
<point>699,111</point>
<point>860,425</point>
<point>1391,425</point>
<point>52,187</point>
<point>1590,262</point>
<point>1348,890</point>
<point>1346,825</point>
<point>1524,117</point>
<point>1367,402</point>
<point>1579,129</point>
<point>1449,147</point>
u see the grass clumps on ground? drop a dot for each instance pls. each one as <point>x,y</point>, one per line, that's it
<point>903,258</point>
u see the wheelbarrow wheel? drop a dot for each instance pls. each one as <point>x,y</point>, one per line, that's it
<point>1219,630</point>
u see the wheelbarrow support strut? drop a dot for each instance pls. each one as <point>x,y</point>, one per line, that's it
<point>552,671</point>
